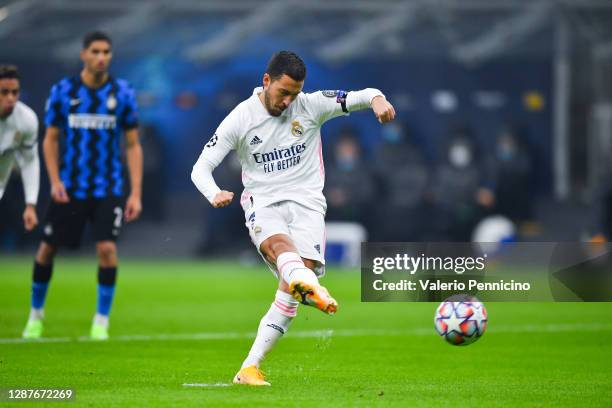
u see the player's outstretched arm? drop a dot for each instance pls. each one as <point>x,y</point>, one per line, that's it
<point>51,154</point>
<point>326,105</point>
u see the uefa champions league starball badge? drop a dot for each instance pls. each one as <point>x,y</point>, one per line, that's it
<point>461,320</point>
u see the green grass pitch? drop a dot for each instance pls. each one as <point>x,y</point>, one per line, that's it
<point>184,322</point>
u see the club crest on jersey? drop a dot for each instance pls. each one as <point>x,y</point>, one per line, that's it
<point>111,102</point>
<point>297,130</point>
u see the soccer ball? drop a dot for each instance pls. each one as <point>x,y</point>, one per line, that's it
<point>461,320</point>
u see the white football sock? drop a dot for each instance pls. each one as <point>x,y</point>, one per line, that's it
<point>36,314</point>
<point>101,320</point>
<point>272,327</point>
<point>291,267</point>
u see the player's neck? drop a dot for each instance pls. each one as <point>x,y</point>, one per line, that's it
<point>93,80</point>
<point>262,99</point>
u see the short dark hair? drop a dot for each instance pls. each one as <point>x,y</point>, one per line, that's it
<point>95,36</point>
<point>286,63</point>
<point>9,72</point>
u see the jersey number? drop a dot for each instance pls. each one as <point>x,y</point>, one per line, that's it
<point>118,213</point>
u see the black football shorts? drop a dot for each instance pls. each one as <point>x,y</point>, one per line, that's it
<point>64,223</point>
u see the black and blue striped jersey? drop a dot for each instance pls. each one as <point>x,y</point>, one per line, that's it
<point>92,121</point>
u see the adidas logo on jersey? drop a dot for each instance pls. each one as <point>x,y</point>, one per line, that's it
<point>256,140</point>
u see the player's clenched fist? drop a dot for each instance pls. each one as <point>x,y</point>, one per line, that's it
<point>222,199</point>
<point>383,110</point>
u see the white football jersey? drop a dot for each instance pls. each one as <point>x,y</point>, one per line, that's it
<point>19,142</point>
<point>281,156</point>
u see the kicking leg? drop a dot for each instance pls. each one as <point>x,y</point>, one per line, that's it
<point>297,273</point>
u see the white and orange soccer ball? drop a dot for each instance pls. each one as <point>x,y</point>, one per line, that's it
<point>461,320</point>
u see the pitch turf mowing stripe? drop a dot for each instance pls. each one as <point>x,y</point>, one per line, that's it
<point>545,328</point>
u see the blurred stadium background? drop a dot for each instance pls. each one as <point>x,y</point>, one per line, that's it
<point>504,107</point>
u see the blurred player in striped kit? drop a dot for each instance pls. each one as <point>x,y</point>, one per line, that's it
<point>18,142</point>
<point>92,110</point>
<point>277,134</point>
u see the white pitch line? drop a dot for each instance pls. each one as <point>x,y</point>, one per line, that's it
<point>535,328</point>
<point>42,340</point>
<point>212,385</point>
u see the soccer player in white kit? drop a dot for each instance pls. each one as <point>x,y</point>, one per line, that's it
<point>18,142</point>
<point>277,135</point>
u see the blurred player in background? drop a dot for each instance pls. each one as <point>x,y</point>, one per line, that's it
<point>92,110</point>
<point>276,133</point>
<point>18,142</point>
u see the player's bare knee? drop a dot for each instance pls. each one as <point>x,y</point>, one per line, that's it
<point>46,253</point>
<point>272,247</point>
<point>310,264</point>
<point>107,253</point>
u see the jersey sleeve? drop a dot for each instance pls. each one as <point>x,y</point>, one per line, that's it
<point>326,105</point>
<point>54,115</point>
<point>26,157</point>
<point>129,116</point>
<point>224,140</point>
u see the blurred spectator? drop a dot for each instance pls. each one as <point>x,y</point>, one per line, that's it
<point>153,186</point>
<point>511,174</point>
<point>349,185</point>
<point>459,196</point>
<point>402,173</point>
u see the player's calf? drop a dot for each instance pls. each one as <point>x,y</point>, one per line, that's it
<point>272,327</point>
<point>41,276</point>
<point>107,277</point>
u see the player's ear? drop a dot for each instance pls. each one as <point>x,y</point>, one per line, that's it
<point>266,80</point>
<point>83,51</point>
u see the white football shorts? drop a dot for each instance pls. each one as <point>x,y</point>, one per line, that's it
<point>304,226</point>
